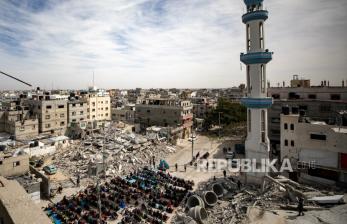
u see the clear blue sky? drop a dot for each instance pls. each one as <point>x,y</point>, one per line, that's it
<point>165,43</point>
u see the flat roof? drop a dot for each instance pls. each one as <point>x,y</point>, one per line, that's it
<point>18,204</point>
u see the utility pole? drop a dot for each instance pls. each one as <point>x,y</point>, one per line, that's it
<point>192,144</point>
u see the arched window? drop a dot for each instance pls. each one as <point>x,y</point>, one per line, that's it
<point>261,35</point>
<point>263,81</point>
<point>249,120</point>
<point>263,126</point>
<point>248,37</point>
<point>248,79</point>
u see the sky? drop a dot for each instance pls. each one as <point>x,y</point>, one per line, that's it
<point>165,43</point>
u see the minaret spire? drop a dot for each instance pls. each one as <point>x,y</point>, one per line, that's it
<point>257,56</point>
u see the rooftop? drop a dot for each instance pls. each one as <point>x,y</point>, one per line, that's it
<point>18,203</point>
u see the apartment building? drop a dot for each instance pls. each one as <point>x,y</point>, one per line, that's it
<point>98,105</point>
<point>165,112</point>
<point>317,151</point>
<point>202,106</point>
<point>16,120</point>
<point>77,111</point>
<point>319,102</point>
<point>51,111</point>
<point>124,114</point>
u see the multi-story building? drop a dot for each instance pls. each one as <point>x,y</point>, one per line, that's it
<point>165,113</point>
<point>16,120</point>
<point>99,105</point>
<point>202,106</point>
<point>51,111</point>
<point>317,151</point>
<point>234,94</point>
<point>319,103</point>
<point>124,114</point>
<point>77,110</point>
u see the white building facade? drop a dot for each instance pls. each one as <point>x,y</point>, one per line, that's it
<point>257,102</point>
<point>317,151</point>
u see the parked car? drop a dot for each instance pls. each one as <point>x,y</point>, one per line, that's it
<point>50,169</point>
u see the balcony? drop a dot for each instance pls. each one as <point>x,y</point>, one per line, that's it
<point>253,2</point>
<point>255,15</point>
<point>257,102</point>
<point>256,57</point>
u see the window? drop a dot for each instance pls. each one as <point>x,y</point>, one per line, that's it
<point>22,128</point>
<point>292,127</point>
<point>81,104</point>
<point>319,137</point>
<point>73,113</point>
<point>275,120</point>
<point>62,115</point>
<point>325,108</point>
<point>148,111</point>
<point>261,32</point>
<point>93,110</point>
<point>0,162</point>
<point>302,107</point>
<point>285,126</point>
<point>81,112</point>
<point>292,143</point>
<point>47,117</point>
<point>275,131</point>
<point>249,120</point>
<point>48,125</point>
<point>335,97</point>
<point>263,125</point>
<point>17,163</point>
<point>248,38</point>
<point>62,123</point>
<point>248,79</point>
<point>73,104</point>
<point>312,96</point>
<point>49,107</point>
<point>262,76</point>
<point>286,142</point>
<point>61,106</point>
<point>276,96</point>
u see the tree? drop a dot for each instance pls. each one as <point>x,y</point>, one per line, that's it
<point>231,113</point>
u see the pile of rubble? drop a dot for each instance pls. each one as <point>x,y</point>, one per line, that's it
<point>234,204</point>
<point>115,150</point>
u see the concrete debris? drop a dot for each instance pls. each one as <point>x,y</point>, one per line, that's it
<point>114,150</point>
<point>244,205</point>
<point>335,199</point>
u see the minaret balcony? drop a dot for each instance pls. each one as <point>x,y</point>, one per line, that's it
<point>256,57</point>
<point>253,2</point>
<point>255,15</point>
<point>257,103</point>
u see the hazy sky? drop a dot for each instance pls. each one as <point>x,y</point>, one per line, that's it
<point>165,43</point>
